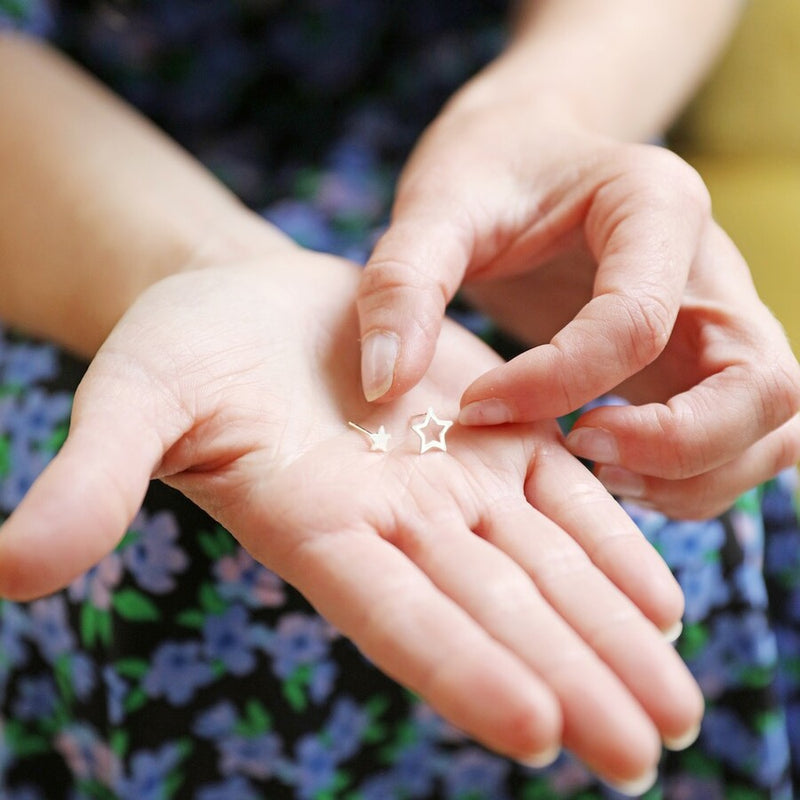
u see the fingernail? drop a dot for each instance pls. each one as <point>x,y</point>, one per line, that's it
<point>378,359</point>
<point>672,634</point>
<point>485,412</point>
<point>541,760</point>
<point>594,444</point>
<point>636,787</point>
<point>622,482</point>
<point>682,742</point>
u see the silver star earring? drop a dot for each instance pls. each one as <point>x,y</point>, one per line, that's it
<point>422,430</point>
<point>379,441</point>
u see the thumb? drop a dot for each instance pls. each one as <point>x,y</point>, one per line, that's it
<point>413,273</point>
<point>80,506</point>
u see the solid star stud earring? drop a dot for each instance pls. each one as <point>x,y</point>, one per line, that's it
<point>379,441</point>
<point>422,429</point>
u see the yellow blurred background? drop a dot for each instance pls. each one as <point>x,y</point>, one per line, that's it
<point>742,133</point>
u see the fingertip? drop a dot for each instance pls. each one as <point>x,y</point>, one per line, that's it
<point>491,399</point>
<point>529,387</point>
<point>66,523</point>
<point>379,354</point>
<point>486,412</point>
<point>664,603</point>
<point>690,716</point>
<point>75,512</point>
<point>637,568</point>
<point>15,582</point>
<point>403,291</point>
<point>625,760</point>
<point>538,730</point>
<point>595,444</point>
<point>515,714</point>
<point>541,759</point>
<point>672,633</point>
<point>392,364</point>
<point>397,346</point>
<point>635,787</point>
<point>684,741</point>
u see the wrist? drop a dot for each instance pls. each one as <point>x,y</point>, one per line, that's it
<point>79,313</point>
<point>239,235</point>
<point>622,70</point>
<point>228,235</point>
<point>509,83</point>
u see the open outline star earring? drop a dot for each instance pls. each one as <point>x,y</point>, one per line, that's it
<point>420,429</point>
<point>379,442</point>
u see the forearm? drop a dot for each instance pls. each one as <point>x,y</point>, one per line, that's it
<point>622,67</point>
<point>96,203</point>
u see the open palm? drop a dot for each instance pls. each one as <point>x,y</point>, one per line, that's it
<point>497,579</point>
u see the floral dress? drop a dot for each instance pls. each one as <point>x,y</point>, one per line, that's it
<point>180,668</point>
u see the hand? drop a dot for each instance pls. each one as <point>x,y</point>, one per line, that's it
<point>607,254</point>
<point>491,579</point>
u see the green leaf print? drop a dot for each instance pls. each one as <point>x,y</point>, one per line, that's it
<point>757,677</point>
<point>217,543</point>
<point>23,742</point>
<point>172,784</point>
<point>63,675</point>
<point>696,763</point>
<point>257,717</point>
<point>294,688</point>
<point>692,641</point>
<point>339,782</point>
<point>133,605</point>
<point>5,456</point>
<point>191,618</point>
<point>539,789</point>
<point>210,601</point>
<point>128,539</point>
<point>134,668</point>
<point>742,793</point>
<point>54,442</point>
<point>295,696</point>
<point>95,625</point>
<point>769,721</point>
<point>749,502</point>
<point>135,700</point>
<point>94,789</point>
<point>118,741</point>
<point>14,8</point>
<point>654,794</point>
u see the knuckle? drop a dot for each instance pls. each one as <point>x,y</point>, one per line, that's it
<point>670,180</point>
<point>564,563</point>
<point>648,322</point>
<point>568,380</point>
<point>785,378</point>
<point>774,389</point>
<point>507,596</point>
<point>605,631</point>
<point>391,620</point>
<point>438,671</point>
<point>609,548</point>
<point>683,446</point>
<point>384,279</point>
